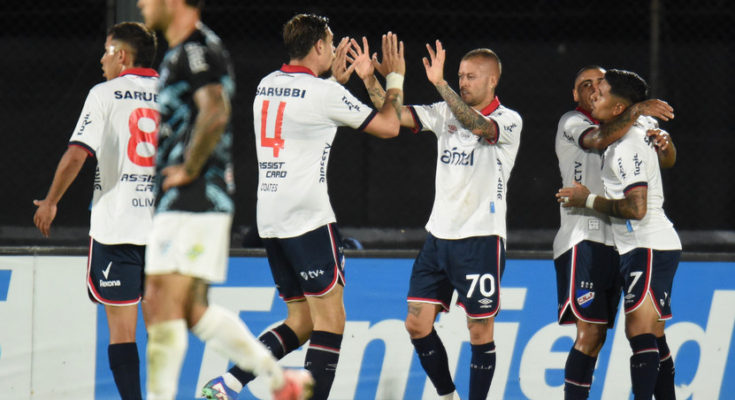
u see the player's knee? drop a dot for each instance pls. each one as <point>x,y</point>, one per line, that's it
<point>417,327</point>
<point>590,338</point>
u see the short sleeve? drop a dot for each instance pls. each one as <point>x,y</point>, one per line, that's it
<point>90,126</point>
<point>577,127</point>
<point>509,125</point>
<point>427,117</point>
<point>345,109</point>
<point>630,165</point>
<point>204,64</point>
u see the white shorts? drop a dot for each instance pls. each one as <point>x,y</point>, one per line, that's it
<point>192,244</point>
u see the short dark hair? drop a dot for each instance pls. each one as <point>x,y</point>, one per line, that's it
<point>302,32</point>
<point>586,68</point>
<point>141,39</point>
<point>486,54</point>
<point>627,85</point>
<point>195,3</point>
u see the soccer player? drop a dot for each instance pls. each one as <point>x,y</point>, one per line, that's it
<point>586,263</point>
<point>648,245</point>
<point>296,118</point>
<point>478,140</point>
<point>191,227</point>
<point>117,126</point>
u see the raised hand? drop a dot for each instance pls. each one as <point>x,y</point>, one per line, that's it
<point>340,71</point>
<point>434,65</point>
<point>393,60</point>
<point>360,58</point>
<point>661,139</point>
<point>574,196</point>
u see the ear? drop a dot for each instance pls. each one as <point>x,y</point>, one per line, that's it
<point>575,95</point>
<point>319,46</point>
<point>619,108</point>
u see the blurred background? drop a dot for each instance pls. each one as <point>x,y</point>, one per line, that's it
<point>382,190</point>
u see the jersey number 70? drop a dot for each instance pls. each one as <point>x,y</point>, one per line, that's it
<point>275,142</point>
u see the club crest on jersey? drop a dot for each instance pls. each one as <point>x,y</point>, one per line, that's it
<point>585,300</point>
<point>451,128</point>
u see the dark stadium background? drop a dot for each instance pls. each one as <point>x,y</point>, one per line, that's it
<point>382,191</point>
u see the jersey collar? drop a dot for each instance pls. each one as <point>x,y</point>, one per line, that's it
<point>491,107</point>
<point>588,115</point>
<point>140,72</point>
<point>296,69</point>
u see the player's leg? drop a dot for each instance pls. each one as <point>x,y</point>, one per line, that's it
<point>165,297</point>
<point>665,266</point>
<point>122,351</point>
<point>482,365</point>
<point>281,340</point>
<point>641,318</point>
<point>429,347</point>
<point>587,291</point>
<point>115,276</point>
<point>477,265</point>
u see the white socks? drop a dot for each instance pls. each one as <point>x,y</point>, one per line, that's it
<point>167,342</point>
<point>230,337</point>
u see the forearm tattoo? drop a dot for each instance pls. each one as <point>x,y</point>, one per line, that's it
<point>466,115</point>
<point>208,129</point>
<point>627,208</point>
<point>376,93</point>
<point>396,101</point>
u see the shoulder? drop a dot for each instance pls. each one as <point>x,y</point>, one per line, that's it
<point>503,111</point>
<point>573,116</point>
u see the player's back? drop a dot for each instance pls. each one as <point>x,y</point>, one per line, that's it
<point>629,163</point>
<point>296,116</point>
<point>583,166</point>
<point>119,125</point>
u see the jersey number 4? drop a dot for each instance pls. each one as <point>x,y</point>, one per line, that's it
<point>275,142</point>
<point>143,124</point>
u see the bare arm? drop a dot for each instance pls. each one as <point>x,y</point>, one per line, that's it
<point>472,120</point>
<point>633,206</point>
<point>606,134</point>
<point>67,170</point>
<point>214,113</point>
<point>387,122</point>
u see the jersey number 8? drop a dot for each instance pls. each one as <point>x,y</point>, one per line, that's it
<point>147,133</point>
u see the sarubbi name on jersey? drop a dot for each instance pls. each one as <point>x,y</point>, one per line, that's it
<point>144,96</point>
<point>280,92</point>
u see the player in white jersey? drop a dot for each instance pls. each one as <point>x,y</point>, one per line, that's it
<point>296,118</point>
<point>646,240</point>
<point>477,143</point>
<point>118,127</point>
<point>588,288</point>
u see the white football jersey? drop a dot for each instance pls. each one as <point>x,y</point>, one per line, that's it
<point>629,163</point>
<point>584,166</point>
<point>471,173</point>
<point>296,116</point>
<point>119,126</point>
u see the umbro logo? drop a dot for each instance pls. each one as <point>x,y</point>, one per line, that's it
<point>485,301</point>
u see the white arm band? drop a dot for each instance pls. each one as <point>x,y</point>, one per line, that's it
<point>590,203</point>
<point>394,80</point>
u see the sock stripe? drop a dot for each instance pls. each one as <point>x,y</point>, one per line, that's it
<point>324,348</point>
<point>666,357</point>
<point>571,382</point>
<point>279,338</point>
<point>649,350</point>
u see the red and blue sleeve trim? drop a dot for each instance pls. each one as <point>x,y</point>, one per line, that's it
<point>633,186</point>
<point>582,136</point>
<point>367,120</point>
<point>417,122</point>
<point>84,147</point>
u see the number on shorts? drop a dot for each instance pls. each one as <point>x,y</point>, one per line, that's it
<point>636,275</point>
<point>275,142</point>
<point>138,135</point>
<point>481,282</point>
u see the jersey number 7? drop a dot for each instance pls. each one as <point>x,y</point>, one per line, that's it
<point>275,142</point>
